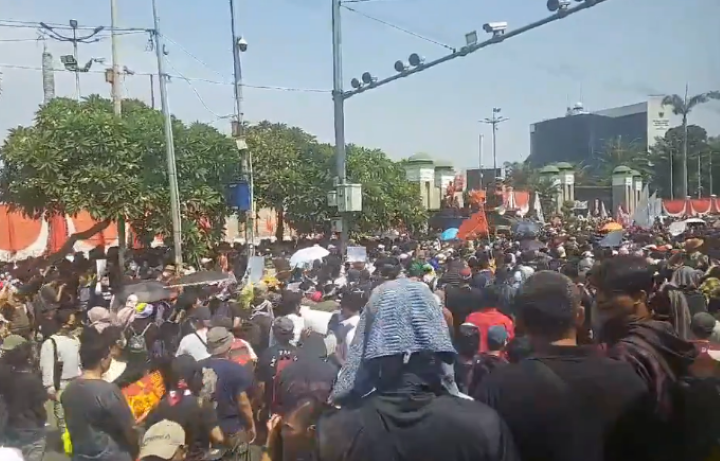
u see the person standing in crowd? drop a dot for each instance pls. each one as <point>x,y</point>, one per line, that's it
<point>101,294</point>
<point>60,361</point>
<point>194,343</point>
<point>273,362</point>
<point>351,304</point>
<point>398,396</point>
<point>164,441</point>
<point>460,300</point>
<point>99,420</point>
<point>467,344</point>
<point>567,402</point>
<point>487,315</point>
<point>289,307</point>
<point>311,375</point>
<point>24,397</point>
<point>183,404</point>
<point>624,285</point>
<point>233,383</point>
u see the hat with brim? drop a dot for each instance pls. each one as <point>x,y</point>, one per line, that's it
<point>12,342</point>
<point>162,440</point>
<point>219,341</point>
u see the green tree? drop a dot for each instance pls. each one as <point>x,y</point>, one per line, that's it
<point>78,156</point>
<point>389,200</point>
<point>294,173</point>
<point>618,152</point>
<point>682,106</point>
<point>666,157</point>
<point>547,190</point>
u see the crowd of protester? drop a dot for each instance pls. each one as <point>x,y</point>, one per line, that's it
<point>555,351</point>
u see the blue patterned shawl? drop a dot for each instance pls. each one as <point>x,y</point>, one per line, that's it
<point>405,318</point>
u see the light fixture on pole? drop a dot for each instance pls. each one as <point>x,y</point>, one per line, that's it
<point>73,65</point>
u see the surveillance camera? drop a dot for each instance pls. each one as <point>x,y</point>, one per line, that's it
<point>557,5</point>
<point>496,28</point>
<point>242,44</point>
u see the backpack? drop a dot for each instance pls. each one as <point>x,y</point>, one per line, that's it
<point>136,342</point>
<point>281,363</point>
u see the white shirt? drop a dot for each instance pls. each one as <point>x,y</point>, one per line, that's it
<point>194,345</point>
<point>352,322</point>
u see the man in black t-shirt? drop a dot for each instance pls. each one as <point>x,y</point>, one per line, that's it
<point>274,360</point>
<point>310,376</point>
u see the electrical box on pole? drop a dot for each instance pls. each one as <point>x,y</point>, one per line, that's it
<point>349,198</point>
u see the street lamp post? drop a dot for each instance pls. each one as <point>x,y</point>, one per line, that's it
<point>240,45</point>
<point>71,62</point>
<point>494,121</point>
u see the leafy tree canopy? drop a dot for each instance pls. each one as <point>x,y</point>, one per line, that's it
<point>294,173</point>
<point>79,156</point>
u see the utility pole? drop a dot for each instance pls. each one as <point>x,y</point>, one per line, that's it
<point>117,110</point>
<point>494,121</point>
<point>48,76</point>
<point>169,143</point>
<point>71,63</point>
<point>481,147</point>
<point>684,168</point>
<point>152,91</point>
<point>239,45</point>
<point>339,115</point>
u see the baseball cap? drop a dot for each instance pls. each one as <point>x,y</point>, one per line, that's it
<point>13,342</point>
<point>162,440</point>
<point>283,326</point>
<point>496,337</point>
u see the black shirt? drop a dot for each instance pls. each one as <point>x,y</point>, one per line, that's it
<point>197,417</point>
<point>268,364</point>
<point>571,404</point>
<point>25,397</point>
<point>306,377</point>
<point>415,427</point>
<point>461,301</point>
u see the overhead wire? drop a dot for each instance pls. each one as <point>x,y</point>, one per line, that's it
<point>192,87</point>
<point>192,79</point>
<point>35,25</point>
<point>198,60</point>
<point>400,29</point>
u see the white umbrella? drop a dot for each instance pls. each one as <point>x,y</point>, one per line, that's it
<point>694,221</point>
<point>306,256</point>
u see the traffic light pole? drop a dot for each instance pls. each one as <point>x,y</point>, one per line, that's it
<point>464,51</point>
<point>339,113</point>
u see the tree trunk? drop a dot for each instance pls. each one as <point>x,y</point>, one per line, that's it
<point>72,239</point>
<point>280,228</point>
<point>683,183</point>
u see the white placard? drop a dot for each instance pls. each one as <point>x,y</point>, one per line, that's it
<point>256,268</point>
<point>100,267</point>
<point>356,254</point>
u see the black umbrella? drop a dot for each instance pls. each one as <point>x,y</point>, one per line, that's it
<point>202,278</point>
<point>148,291</point>
<point>612,239</point>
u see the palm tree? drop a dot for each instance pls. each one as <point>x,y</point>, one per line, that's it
<point>683,106</point>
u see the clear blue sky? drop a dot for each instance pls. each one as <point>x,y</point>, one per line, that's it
<point>613,54</point>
